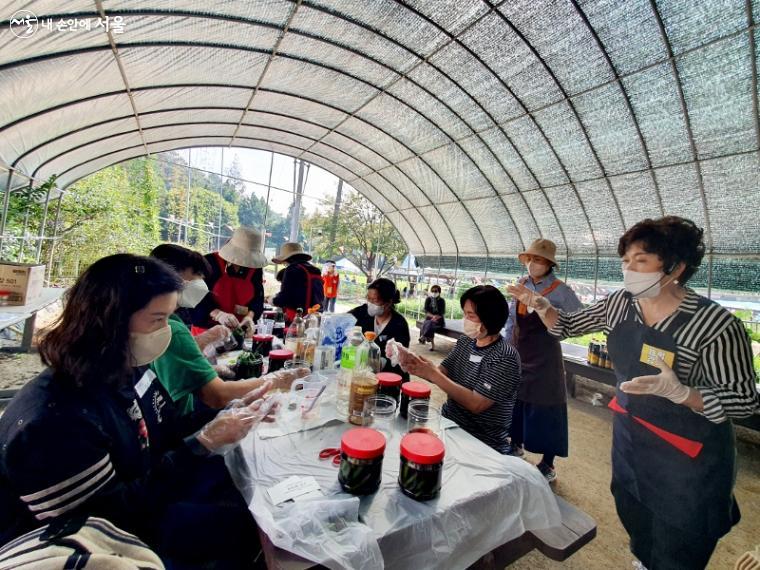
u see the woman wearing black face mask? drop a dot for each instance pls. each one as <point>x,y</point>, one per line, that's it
<point>684,369</point>
<point>379,315</point>
<point>435,309</point>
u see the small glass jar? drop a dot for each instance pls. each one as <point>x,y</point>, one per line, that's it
<point>5,298</point>
<point>389,384</point>
<point>262,343</point>
<point>361,461</point>
<point>412,391</point>
<point>363,385</point>
<point>278,358</point>
<point>421,470</point>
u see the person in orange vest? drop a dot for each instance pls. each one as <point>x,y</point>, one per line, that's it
<point>331,281</point>
<point>539,423</point>
<point>301,281</point>
<point>236,283</point>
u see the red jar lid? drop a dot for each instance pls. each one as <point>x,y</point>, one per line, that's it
<point>363,443</point>
<point>422,448</point>
<point>281,354</point>
<point>416,390</point>
<point>262,337</point>
<point>388,379</point>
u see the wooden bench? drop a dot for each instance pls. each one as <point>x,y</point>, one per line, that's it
<point>454,328</point>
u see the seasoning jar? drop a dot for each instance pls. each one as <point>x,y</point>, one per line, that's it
<point>262,343</point>
<point>421,466</point>
<point>361,461</point>
<point>5,298</point>
<point>278,358</point>
<point>389,384</point>
<point>412,391</point>
<point>590,355</point>
<point>593,354</point>
<point>363,385</point>
<point>603,356</point>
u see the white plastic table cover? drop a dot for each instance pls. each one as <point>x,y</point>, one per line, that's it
<point>487,499</point>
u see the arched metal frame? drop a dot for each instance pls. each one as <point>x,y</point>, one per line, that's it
<point>403,75</point>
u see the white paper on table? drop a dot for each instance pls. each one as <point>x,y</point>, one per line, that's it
<point>291,488</point>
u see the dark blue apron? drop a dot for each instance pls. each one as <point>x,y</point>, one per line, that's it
<point>677,463</point>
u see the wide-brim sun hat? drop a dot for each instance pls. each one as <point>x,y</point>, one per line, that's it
<point>288,250</point>
<point>244,248</point>
<point>545,248</point>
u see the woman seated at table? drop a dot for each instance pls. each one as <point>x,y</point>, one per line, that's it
<point>482,374</point>
<point>435,309</point>
<point>94,435</point>
<point>182,369</point>
<point>379,315</point>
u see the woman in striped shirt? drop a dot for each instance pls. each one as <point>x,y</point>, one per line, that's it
<point>684,368</point>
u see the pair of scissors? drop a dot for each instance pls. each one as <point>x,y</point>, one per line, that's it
<point>329,452</point>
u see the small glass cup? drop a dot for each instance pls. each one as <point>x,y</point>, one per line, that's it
<point>265,326</point>
<point>324,358</point>
<point>295,363</point>
<point>379,412</point>
<point>424,417</point>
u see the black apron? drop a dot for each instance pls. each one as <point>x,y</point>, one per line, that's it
<point>677,463</point>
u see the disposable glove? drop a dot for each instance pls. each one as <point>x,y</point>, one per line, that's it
<point>665,384</point>
<point>530,298</point>
<point>226,319</point>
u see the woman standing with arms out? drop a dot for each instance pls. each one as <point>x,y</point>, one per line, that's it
<point>539,423</point>
<point>684,369</point>
<point>435,309</point>
<point>331,282</point>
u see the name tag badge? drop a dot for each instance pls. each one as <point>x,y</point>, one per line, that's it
<point>142,386</point>
<point>382,338</point>
<point>475,358</point>
<point>649,355</point>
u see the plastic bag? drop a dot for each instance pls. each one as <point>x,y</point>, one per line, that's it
<point>326,531</point>
<point>333,331</point>
<point>397,353</point>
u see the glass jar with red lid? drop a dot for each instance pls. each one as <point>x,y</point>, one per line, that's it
<point>421,469</point>
<point>278,358</point>
<point>389,384</point>
<point>361,461</point>
<point>262,343</point>
<point>412,391</point>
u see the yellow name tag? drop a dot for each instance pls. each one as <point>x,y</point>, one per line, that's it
<point>649,355</point>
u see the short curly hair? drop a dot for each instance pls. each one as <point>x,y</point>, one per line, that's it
<point>673,239</point>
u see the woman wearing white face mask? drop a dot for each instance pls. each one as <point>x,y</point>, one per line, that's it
<point>540,420</point>
<point>96,435</point>
<point>379,315</point>
<point>182,369</point>
<point>482,374</point>
<point>435,309</point>
<point>684,369</point>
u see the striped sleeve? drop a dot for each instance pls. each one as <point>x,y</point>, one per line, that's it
<point>728,385</point>
<point>590,319</point>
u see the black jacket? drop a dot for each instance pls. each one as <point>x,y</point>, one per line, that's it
<point>397,329</point>
<point>295,278</point>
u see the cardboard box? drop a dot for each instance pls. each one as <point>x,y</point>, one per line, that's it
<point>22,281</point>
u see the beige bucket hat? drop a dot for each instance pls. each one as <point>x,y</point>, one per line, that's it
<point>244,248</point>
<point>543,248</point>
<point>288,250</point>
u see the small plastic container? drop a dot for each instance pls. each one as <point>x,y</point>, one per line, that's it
<point>412,391</point>
<point>389,384</point>
<point>361,461</point>
<point>421,469</point>
<point>278,358</point>
<point>262,343</point>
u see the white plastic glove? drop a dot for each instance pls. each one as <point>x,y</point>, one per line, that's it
<point>530,298</point>
<point>234,422</point>
<point>665,384</point>
<point>282,379</point>
<point>247,324</point>
<point>397,353</point>
<point>216,336</point>
<point>226,319</point>
<point>224,371</point>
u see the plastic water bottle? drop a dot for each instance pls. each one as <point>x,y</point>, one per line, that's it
<point>347,364</point>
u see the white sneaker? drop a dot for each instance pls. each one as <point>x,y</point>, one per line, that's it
<point>638,565</point>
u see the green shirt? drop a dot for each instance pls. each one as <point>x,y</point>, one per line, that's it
<point>182,369</point>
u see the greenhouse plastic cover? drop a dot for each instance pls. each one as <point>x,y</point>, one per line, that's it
<point>475,126</point>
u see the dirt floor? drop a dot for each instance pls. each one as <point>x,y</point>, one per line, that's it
<point>583,477</point>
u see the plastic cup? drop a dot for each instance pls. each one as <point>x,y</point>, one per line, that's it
<point>423,417</point>
<point>324,358</point>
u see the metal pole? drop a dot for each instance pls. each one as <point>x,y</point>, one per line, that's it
<point>55,235</point>
<point>221,206</point>
<point>709,274</point>
<point>187,202</point>
<point>596,274</point>
<point>295,221</point>
<point>336,211</point>
<point>269,189</point>
<point>23,232</point>
<point>6,202</point>
<point>42,225</point>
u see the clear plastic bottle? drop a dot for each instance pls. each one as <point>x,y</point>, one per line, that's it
<point>373,353</point>
<point>295,336</point>
<point>312,320</point>
<point>347,363</point>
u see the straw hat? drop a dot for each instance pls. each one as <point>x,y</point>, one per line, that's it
<point>244,248</point>
<point>288,250</point>
<point>543,248</point>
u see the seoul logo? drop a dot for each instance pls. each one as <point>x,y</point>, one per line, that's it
<point>23,24</point>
